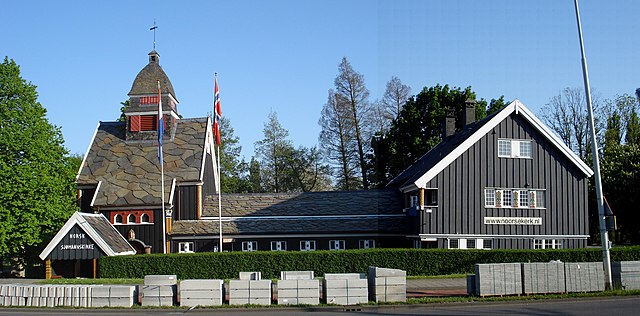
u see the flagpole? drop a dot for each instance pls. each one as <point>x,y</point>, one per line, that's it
<point>217,114</point>
<point>604,238</point>
<point>219,201</point>
<point>160,124</point>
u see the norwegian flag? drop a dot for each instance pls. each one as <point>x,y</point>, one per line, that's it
<point>160,124</point>
<point>217,112</point>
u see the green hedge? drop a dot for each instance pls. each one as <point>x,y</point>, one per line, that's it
<point>270,263</point>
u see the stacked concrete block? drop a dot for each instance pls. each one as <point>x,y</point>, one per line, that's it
<point>498,279</point>
<point>159,290</point>
<point>540,277</point>
<point>471,284</point>
<point>298,287</point>
<point>201,292</point>
<point>584,276</point>
<point>387,285</point>
<point>345,288</point>
<point>113,296</point>
<point>45,295</point>
<point>626,275</point>
<point>250,276</point>
<point>257,292</point>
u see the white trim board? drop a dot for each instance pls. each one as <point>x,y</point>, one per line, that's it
<point>514,107</point>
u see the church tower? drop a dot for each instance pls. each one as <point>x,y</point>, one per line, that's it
<point>142,112</point>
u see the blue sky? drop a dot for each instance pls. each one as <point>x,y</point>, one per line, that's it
<point>284,55</point>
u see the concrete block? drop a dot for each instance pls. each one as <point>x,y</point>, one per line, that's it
<point>212,285</point>
<point>250,276</point>
<point>160,280</point>
<point>498,279</point>
<point>199,294</point>
<point>201,302</point>
<point>545,277</point>
<point>296,275</point>
<point>299,301</point>
<point>584,276</point>
<point>157,301</point>
<point>158,290</point>
<point>385,272</point>
<point>344,276</point>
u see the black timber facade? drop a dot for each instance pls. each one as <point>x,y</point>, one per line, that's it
<point>463,213</point>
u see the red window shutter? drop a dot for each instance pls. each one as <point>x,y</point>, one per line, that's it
<point>148,122</point>
<point>134,123</point>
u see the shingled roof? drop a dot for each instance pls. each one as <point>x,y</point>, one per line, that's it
<point>127,173</point>
<point>308,225</point>
<point>365,202</point>
<point>146,80</point>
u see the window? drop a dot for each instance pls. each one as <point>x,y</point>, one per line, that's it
<point>307,245</point>
<point>507,198</point>
<point>414,201</point>
<point>487,244</point>
<point>249,245</point>
<point>524,198</point>
<point>366,244</point>
<point>547,244</point>
<point>539,198</point>
<point>117,219</point>
<point>489,197</point>
<point>510,148</point>
<point>278,245</point>
<point>148,122</point>
<point>471,243</point>
<point>336,244</point>
<point>185,247</point>
<point>431,197</point>
<point>453,244</point>
<point>144,218</point>
<point>131,219</point>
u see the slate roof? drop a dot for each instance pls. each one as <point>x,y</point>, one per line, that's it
<point>106,237</point>
<point>337,225</point>
<point>365,202</point>
<point>146,80</point>
<point>129,171</point>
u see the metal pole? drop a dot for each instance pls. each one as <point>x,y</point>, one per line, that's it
<point>219,203</point>
<point>606,258</point>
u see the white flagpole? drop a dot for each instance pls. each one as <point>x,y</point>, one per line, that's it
<point>604,238</point>
<point>216,117</point>
<point>160,134</point>
<point>219,201</point>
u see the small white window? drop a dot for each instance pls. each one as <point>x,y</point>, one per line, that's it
<point>487,244</point>
<point>454,244</point>
<point>525,149</point>
<point>117,219</point>
<point>524,198</point>
<point>547,244</point>
<point>278,245</point>
<point>307,245</point>
<point>249,246</point>
<point>144,218</point>
<point>540,199</point>
<point>131,219</point>
<point>489,197</point>
<point>336,245</point>
<point>504,148</point>
<point>185,247</point>
<point>471,244</point>
<point>367,243</point>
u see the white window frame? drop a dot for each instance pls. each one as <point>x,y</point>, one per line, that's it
<point>337,244</point>
<point>248,246</point>
<point>186,247</point>
<point>523,197</point>
<point>513,148</point>
<point>143,220</point>
<point>507,198</point>
<point>307,245</point>
<point>366,243</point>
<point>453,244</point>
<point>129,219</point>
<point>490,197</point>
<point>548,244</point>
<point>278,245</point>
<point>116,217</point>
<point>487,244</point>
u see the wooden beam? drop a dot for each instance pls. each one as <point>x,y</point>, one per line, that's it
<point>95,268</point>
<point>198,201</point>
<point>421,197</point>
<point>47,269</point>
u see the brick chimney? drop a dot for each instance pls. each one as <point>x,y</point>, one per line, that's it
<point>449,124</point>
<point>469,111</point>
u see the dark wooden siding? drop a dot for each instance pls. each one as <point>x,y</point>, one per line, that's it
<point>209,186</point>
<point>86,196</point>
<point>150,234</point>
<point>64,249</point>
<point>187,206</point>
<point>461,189</point>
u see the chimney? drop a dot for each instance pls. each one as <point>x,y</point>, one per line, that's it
<point>449,126</point>
<point>469,111</point>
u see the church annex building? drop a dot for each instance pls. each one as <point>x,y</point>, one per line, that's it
<point>502,182</point>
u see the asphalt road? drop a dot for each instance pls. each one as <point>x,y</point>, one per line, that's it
<point>615,306</point>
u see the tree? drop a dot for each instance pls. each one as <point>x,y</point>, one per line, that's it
<point>395,96</point>
<point>255,180</point>
<point>353,96</point>
<point>37,175</point>
<point>273,152</point>
<point>233,172</point>
<point>496,105</point>
<point>418,128</point>
<point>307,169</point>
<point>336,145</point>
<point>566,114</point>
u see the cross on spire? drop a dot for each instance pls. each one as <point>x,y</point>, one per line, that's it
<point>154,33</point>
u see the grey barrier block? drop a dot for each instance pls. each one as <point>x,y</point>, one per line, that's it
<point>498,279</point>
<point>171,279</point>
<point>344,276</point>
<point>385,272</point>
<point>250,276</point>
<point>201,285</point>
<point>250,292</point>
<point>584,276</point>
<point>626,275</point>
<point>296,275</point>
<point>547,277</point>
<point>201,302</point>
<point>299,291</point>
<point>158,290</point>
<point>345,288</point>
<point>201,292</point>
<point>157,301</point>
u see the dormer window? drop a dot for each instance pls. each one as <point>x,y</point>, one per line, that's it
<point>141,123</point>
<point>117,219</point>
<point>131,219</point>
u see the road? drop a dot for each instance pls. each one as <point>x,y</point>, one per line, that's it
<point>618,306</point>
